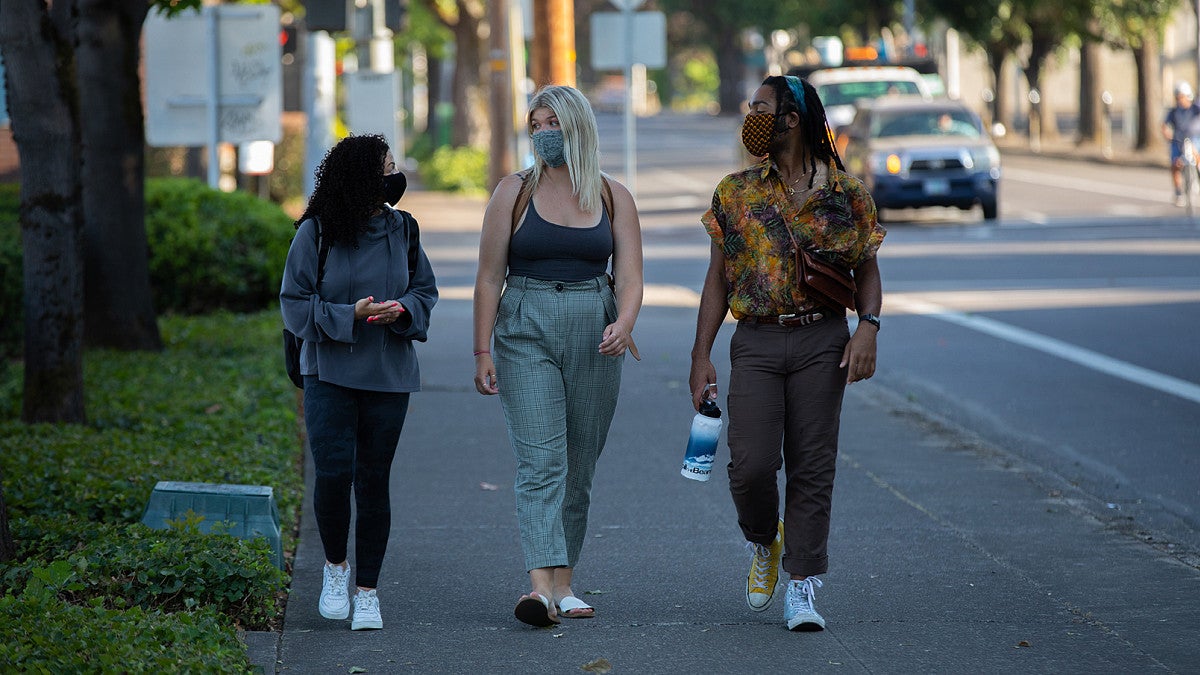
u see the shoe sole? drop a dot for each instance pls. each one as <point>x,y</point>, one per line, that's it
<point>366,625</point>
<point>764,607</point>
<point>531,611</point>
<point>806,627</point>
<point>344,614</point>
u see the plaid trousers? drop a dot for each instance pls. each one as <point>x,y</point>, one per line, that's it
<point>558,393</point>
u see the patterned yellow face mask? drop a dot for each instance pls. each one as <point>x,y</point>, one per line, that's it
<point>757,132</point>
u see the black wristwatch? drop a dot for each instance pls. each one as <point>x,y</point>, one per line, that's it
<point>871,319</point>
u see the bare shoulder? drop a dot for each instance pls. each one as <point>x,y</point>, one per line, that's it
<point>621,194</point>
<point>505,194</point>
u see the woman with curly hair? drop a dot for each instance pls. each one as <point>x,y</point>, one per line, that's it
<point>358,290</point>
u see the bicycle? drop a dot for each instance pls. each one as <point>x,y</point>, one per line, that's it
<point>1191,176</point>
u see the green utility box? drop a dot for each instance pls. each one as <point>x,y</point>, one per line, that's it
<point>245,511</point>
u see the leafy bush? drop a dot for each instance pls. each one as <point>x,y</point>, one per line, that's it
<point>169,570</point>
<point>456,170</point>
<point>213,250</point>
<point>209,250</point>
<point>39,632</point>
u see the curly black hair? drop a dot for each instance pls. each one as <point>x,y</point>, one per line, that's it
<point>349,188</point>
<point>814,128</point>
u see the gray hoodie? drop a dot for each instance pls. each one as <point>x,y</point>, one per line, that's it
<point>389,264</point>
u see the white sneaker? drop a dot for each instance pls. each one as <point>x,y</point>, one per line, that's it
<point>1180,200</point>
<point>335,592</point>
<point>799,611</point>
<point>366,611</point>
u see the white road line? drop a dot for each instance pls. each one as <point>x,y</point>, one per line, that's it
<point>1167,247</point>
<point>1088,185</point>
<point>1068,352</point>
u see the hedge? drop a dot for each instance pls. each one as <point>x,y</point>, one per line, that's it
<point>208,250</point>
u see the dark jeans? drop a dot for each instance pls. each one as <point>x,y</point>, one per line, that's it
<point>785,391</point>
<point>353,436</point>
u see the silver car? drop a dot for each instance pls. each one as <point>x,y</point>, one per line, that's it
<point>913,152</point>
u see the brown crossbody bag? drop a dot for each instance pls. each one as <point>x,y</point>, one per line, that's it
<point>823,281</point>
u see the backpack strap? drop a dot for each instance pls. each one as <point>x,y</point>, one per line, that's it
<point>322,252</point>
<point>525,195</point>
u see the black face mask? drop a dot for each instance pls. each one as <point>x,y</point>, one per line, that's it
<point>394,185</point>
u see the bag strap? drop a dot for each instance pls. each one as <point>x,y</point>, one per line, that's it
<point>526,194</point>
<point>322,252</point>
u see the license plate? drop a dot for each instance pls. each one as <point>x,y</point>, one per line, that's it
<point>937,186</point>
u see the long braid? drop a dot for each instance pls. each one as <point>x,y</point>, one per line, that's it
<point>814,127</point>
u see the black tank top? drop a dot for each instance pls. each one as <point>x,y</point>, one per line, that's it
<point>549,252</point>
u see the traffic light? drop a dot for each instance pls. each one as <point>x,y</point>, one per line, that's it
<point>288,43</point>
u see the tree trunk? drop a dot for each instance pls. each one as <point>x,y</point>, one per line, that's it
<point>40,66</point>
<point>117,297</point>
<point>1091,79</point>
<point>1001,109</point>
<point>1042,44</point>
<point>8,549</point>
<point>730,95</point>
<point>433,125</point>
<point>1145,58</point>
<point>469,127</point>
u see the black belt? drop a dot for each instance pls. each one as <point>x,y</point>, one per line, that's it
<point>790,320</point>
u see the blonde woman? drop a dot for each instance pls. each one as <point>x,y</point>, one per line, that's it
<point>551,330</point>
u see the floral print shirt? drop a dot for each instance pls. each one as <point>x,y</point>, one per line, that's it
<point>750,220</point>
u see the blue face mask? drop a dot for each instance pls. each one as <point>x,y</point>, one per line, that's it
<point>550,147</point>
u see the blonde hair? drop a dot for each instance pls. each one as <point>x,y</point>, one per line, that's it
<point>581,142</point>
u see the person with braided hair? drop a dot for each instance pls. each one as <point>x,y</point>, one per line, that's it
<point>359,290</point>
<point>791,355</point>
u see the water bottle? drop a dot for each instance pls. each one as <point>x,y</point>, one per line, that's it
<point>702,442</point>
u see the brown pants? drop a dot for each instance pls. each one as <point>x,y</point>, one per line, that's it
<point>785,391</point>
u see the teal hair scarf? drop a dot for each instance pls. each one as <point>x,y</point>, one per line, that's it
<point>797,88</point>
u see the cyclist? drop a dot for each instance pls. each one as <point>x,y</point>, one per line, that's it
<point>1182,122</point>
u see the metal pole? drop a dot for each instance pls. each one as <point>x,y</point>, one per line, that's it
<point>910,26</point>
<point>1196,7</point>
<point>630,168</point>
<point>320,78</point>
<point>214,96</point>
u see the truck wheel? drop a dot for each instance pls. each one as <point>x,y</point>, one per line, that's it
<point>990,210</point>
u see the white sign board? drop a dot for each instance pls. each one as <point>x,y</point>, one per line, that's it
<point>179,76</point>
<point>372,104</point>
<point>610,36</point>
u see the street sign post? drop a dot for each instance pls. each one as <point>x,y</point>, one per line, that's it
<point>372,106</point>
<point>624,40</point>
<point>214,77</point>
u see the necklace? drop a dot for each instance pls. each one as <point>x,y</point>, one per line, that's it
<point>789,186</point>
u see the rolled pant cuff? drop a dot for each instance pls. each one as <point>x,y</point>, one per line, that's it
<point>805,567</point>
<point>531,565</point>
